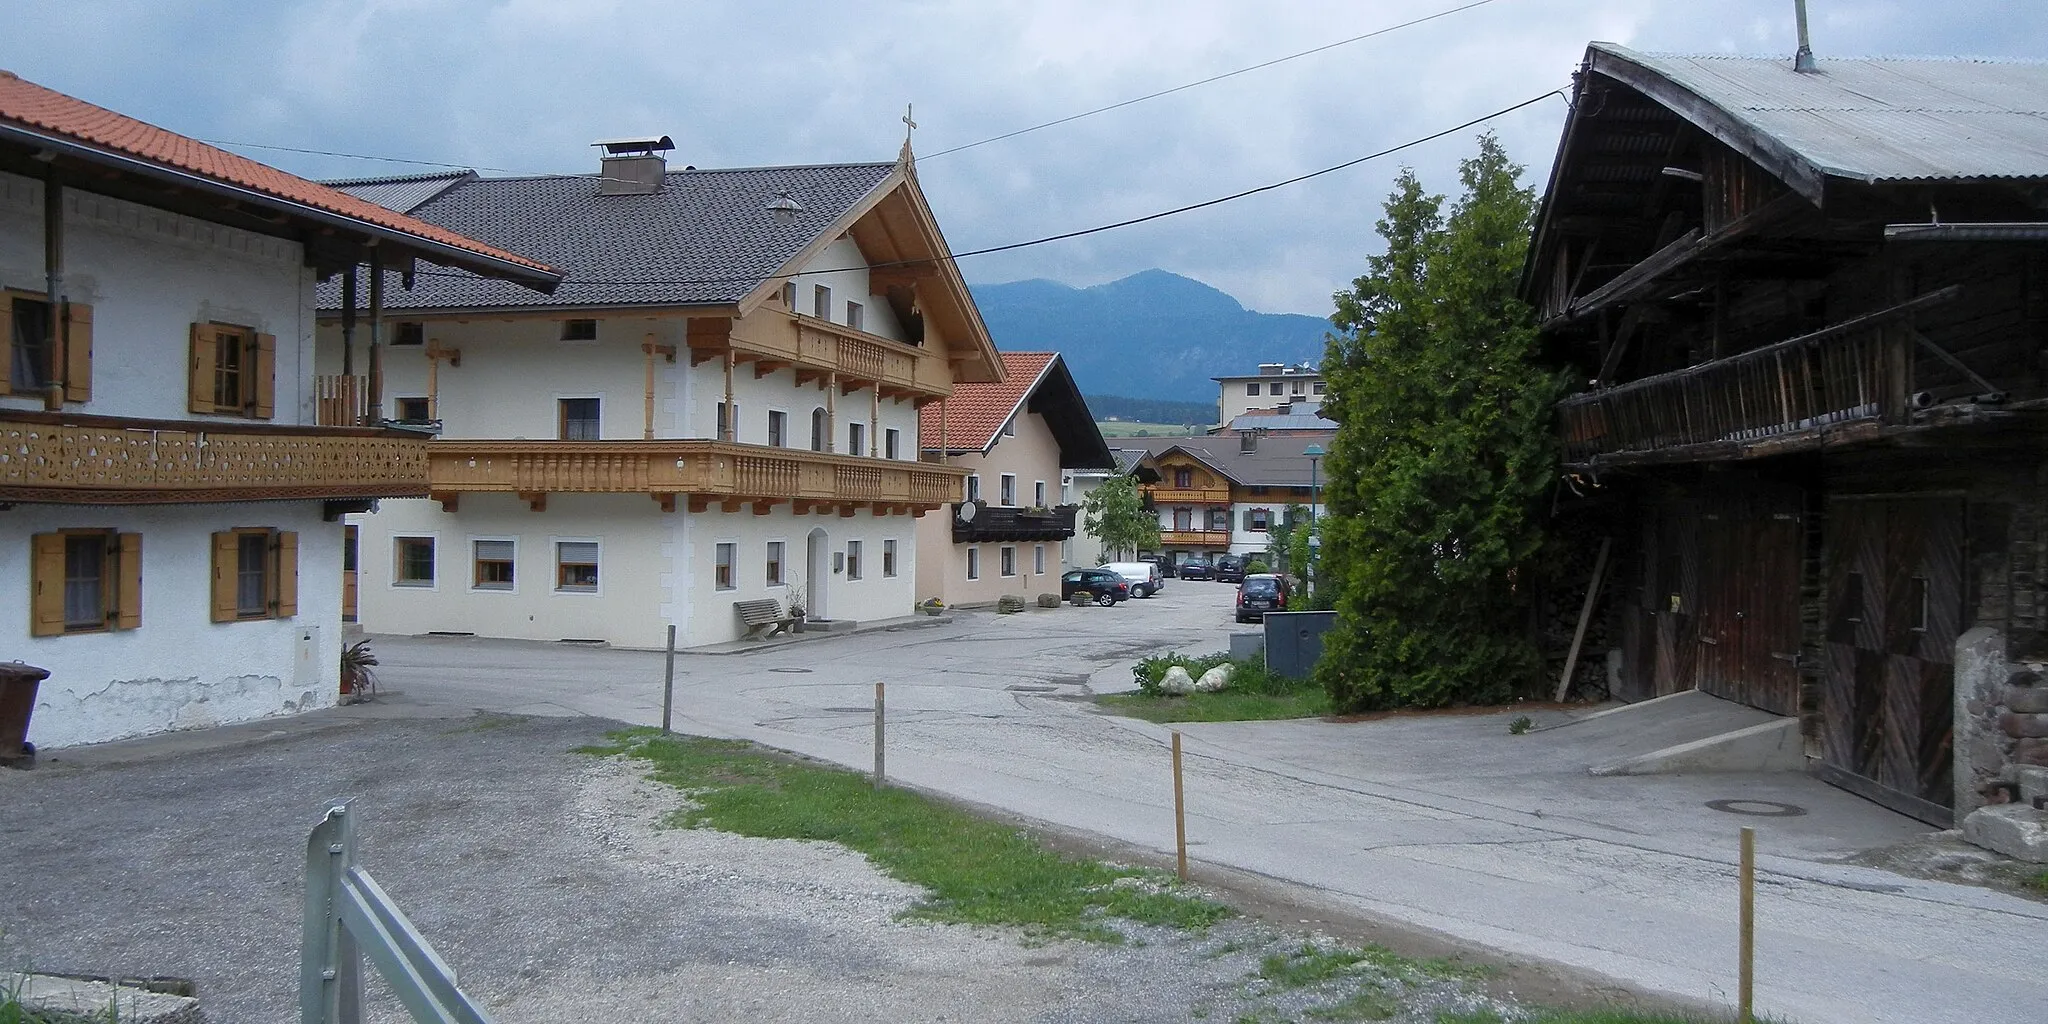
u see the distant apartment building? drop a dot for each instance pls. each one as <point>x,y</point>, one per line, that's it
<point>1275,386</point>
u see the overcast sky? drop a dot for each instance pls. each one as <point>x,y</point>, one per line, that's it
<point>525,85</point>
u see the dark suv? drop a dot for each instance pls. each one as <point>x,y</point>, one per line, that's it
<point>1261,593</point>
<point>1106,587</point>
<point>1230,569</point>
<point>1164,562</point>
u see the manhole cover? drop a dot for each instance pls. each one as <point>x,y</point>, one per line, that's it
<point>1758,808</point>
<point>1028,688</point>
<point>792,671</point>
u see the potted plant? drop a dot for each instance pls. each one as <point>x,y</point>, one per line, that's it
<point>796,610</point>
<point>358,672</point>
<point>931,606</point>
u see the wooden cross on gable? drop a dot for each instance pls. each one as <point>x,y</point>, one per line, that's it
<point>909,125</point>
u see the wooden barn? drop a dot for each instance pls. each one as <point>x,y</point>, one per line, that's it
<point>1806,305</point>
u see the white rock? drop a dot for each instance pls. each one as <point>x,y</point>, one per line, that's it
<point>1213,680</point>
<point>1176,681</point>
<point>2016,830</point>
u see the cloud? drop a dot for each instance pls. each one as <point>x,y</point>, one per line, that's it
<point>525,85</point>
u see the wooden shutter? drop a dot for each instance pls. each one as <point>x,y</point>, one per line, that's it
<point>201,386</point>
<point>262,368</point>
<point>6,343</point>
<point>77,362</point>
<point>226,559</point>
<point>46,585</point>
<point>287,564</point>
<point>128,582</point>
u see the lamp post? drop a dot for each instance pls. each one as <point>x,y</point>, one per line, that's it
<point>1315,453</point>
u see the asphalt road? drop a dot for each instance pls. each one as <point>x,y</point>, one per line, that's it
<point>1443,823</point>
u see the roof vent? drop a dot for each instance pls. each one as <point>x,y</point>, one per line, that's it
<point>1248,440</point>
<point>1802,61</point>
<point>632,167</point>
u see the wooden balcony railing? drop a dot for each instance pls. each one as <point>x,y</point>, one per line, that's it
<point>110,460</point>
<point>704,471</point>
<point>1168,497</point>
<point>815,347</point>
<point>340,400</point>
<point>1858,370</point>
<point>1194,538</point>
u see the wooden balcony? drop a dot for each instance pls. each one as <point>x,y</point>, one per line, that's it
<point>1834,385</point>
<point>819,350</point>
<point>106,460</point>
<point>1194,538</point>
<point>703,472</point>
<point>1169,497</point>
<point>1002,523</point>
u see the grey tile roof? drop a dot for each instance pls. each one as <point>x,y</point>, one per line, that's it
<point>706,238</point>
<point>1278,462</point>
<point>1877,119</point>
<point>406,193</point>
<point>1290,421</point>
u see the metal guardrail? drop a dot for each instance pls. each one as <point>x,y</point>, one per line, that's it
<point>349,917</point>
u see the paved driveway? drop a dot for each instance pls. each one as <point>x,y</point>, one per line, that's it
<point>1443,822</point>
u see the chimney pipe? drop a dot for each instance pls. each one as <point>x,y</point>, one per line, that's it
<point>1802,61</point>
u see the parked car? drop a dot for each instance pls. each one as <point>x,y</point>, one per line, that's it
<point>1106,587</point>
<point>1261,593</point>
<point>1229,569</point>
<point>1164,562</point>
<point>1197,569</point>
<point>1145,578</point>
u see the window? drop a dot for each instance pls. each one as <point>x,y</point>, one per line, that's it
<point>725,422</point>
<point>818,431</point>
<point>1038,494</point>
<point>773,572</point>
<point>1273,388</point>
<point>412,562</point>
<point>1183,519</point>
<point>821,302</point>
<point>1038,560</point>
<point>579,330</point>
<point>853,559</point>
<point>32,364</point>
<point>409,333</point>
<point>1009,560</point>
<point>85,581</point>
<point>1258,520</point>
<point>31,360</point>
<point>1299,387</point>
<point>1009,489</point>
<point>855,315</point>
<point>1320,388</point>
<point>789,295</point>
<point>1259,491</point>
<point>1297,491</point>
<point>974,487</point>
<point>889,558</point>
<point>1219,519</point>
<point>778,428</point>
<point>1252,389</point>
<point>721,570</point>
<point>1183,478</point>
<point>579,419</point>
<point>856,438</point>
<point>493,564</point>
<point>410,410</point>
<point>892,443</point>
<point>576,566</point>
<point>973,563</point>
<point>255,574</point>
<point>233,371</point>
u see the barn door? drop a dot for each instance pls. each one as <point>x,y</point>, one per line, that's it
<point>1894,609</point>
<point>1747,632</point>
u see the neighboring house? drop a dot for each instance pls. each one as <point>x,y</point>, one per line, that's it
<point>1087,548</point>
<point>1222,495</point>
<point>1016,439</point>
<point>719,405</point>
<point>1813,307</point>
<point>1299,418</point>
<point>1275,386</point>
<point>170,534</point>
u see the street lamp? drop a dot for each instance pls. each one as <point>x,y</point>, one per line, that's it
<point>1315,453</point>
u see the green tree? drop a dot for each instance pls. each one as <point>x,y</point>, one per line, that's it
<point>1443,454</point>
<point>1116,513</point>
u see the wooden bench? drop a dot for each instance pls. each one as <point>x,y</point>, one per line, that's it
<point>760,615</point>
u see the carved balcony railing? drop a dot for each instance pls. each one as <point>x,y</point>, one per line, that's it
<point>112,460</point>
<point>1790,393</point>
<point>1003,523</point>
<point>816,348</point>
<point>704,472</point>
<point>1168,497</point>
<point>1194,538</point>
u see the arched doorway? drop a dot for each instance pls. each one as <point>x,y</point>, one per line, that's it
<point>817,556</point>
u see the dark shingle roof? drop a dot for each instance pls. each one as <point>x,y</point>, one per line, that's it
<point>404,194</point>
<point>706,238</point>
<point>1278,462</point>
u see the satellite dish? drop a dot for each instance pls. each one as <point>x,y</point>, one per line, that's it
<point>967,511</point>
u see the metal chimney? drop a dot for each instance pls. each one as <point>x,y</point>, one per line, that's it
<point>1802,61</point>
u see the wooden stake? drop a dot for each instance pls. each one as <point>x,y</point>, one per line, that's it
<point>1180,814</point>
<point>668,680</point>
<point>1745,1002</point>
<point>878,735</point>
<point>1571,662</point>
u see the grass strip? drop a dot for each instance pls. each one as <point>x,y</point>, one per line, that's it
<point>1226,706</point>
<point>977,871</point>
<point>2038,883</point>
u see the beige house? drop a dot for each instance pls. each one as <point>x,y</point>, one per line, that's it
<point>1016,439</point>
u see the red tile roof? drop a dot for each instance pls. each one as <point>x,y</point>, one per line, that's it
<point>26,104</point>
<point>976,411</point>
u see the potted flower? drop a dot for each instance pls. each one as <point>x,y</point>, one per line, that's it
<point>931,606</point>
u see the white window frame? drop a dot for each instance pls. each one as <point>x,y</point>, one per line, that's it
<point>566,396</point>
<point>974,487</point>
<point>974,562</point>
<point>856,437</point>
<point>517,573</point>
<point>1007,490</point>
<point>889,555</point>
<point>770,439</point>
<point>856,315</point>
<point>821,302</point>
<point>854,569</point>
<point>395,583</point>
<point>784,581</point>
<point>732,566</point>
<point>1006,561</point>
<point>1037,559</point>
<point>1039,495</point>
<point>555,545</point>
<point>892,443</point>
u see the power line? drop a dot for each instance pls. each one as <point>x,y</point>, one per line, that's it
<point>1212,78</point>
<point>1297,179</point>
<point>358,156</point>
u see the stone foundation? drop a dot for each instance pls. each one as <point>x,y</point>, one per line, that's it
<point>2001,746</point>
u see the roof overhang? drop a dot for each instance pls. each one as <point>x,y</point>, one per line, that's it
<point>1058,399</point>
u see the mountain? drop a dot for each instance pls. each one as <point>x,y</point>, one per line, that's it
<point>1153,334</point>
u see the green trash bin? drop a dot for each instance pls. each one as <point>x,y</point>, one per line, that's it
<point>18,685</point>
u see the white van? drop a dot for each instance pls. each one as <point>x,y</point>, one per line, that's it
<point>1145,577</point>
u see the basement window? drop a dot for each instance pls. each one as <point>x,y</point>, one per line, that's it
<point>579,330</point>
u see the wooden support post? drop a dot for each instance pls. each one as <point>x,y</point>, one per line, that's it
<point>731,430</point>
<point>1571,661</point>
<point>1180,815</point>
<point>1745,1002</point>
<point>348,322</point>
<point>878,736</point>
<point>874,421</point>
<point>943,450</point>
<point>647,413</point>
<point>375,414</point>
<point>434,379</point>
<point>831,412</point>
<point>668,680</point>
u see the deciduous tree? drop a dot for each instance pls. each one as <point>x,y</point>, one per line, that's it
<point>1116,513</point>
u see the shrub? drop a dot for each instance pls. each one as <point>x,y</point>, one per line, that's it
<point>1149,671</point>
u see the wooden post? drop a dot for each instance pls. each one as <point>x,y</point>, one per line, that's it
<point>434,379</point>
<point>376,386</point>
<point>668,681</point>
<point>647,416</point>
<point>348,321</point>
<point>1180,815</point>
<point>878,736</point>
<point>831,412</point>
<point>1571,661</point>
<point>1746,1006</point>
<point>875,422</point>
<point>732,427</point>
<point>943,450</point>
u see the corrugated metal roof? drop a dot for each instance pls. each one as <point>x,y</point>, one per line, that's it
<point>1877,119</point>
<point>1283,422</point>
<point>406,193</point>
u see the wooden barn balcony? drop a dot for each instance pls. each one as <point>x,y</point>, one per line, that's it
<point>1002,523</point>
<point>1194,538</point>
<point>702,472</point>
<point>1835,385</point>
<point>107,460</point>
<point>821,351</point>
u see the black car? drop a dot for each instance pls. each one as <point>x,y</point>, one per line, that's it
<point>1261,593</point>
<point>1229,569</point>
<point>1197,569</point>
<point>1107,588</point>
<point>1164,562</point>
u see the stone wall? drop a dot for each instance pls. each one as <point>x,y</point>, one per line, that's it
<point>2001,719</point>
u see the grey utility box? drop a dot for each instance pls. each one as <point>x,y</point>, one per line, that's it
<point>1294,641</point>
<point>1246,646</point>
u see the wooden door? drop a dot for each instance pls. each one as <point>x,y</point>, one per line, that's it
<point>348,574</point>
<point>1893,612</point>
<point>1750,550</point>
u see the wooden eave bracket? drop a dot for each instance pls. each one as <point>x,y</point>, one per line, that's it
<point>666,499</point>
<point>450,500</point>
<point>666,351</point>
<point>535,500</point>
<point>437,352</point>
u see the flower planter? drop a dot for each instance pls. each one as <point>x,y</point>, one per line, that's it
<point>18,685</point>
